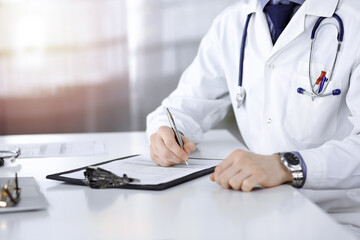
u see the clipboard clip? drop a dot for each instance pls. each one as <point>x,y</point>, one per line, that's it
<point>99,178</point>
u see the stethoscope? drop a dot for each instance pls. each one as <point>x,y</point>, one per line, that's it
<point>9,154</point>
<point>318,89</point>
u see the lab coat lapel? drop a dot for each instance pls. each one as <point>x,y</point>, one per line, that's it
<point>259,34</point>
<point>297,24</point>
<point>295,27</point>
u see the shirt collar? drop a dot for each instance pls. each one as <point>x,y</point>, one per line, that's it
<point>264,2</point>
<point>312,7</point>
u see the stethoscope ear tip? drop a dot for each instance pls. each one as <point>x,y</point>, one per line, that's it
<point>300,90</point>
<point>336,92</point>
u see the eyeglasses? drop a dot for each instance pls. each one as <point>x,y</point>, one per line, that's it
<point>10,193</point>
<point>11,154</point>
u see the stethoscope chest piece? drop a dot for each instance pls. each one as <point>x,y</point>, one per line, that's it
<point>240,97</point>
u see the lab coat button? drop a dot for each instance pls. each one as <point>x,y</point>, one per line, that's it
<point>271,66</point>
<point>269,120</point>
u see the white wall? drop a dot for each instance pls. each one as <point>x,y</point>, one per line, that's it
<point>164,36</point>
<point>49,44</point>
<point>94,65</point>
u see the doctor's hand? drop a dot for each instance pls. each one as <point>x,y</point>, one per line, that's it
<point>244,170</point>
<point>165,151</point>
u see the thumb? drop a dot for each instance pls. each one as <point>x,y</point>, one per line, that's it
<point>189,146</point>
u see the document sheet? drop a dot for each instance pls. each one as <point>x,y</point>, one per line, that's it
<point>148,172</point>
<point>59,149</point>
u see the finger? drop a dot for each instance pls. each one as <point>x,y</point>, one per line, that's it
<point>212,178</point>
<point>158,160</point>
<point>236,181</point>
<point>223,178</point>
<point>167,155</point>
<point>220,168</point>
<point>226,163</point>
<point>249,183</point>
<point>162,152</point>
<point>189,146</point>
<point>179,155</point>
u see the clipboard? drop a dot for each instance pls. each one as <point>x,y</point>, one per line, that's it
<point>205,166</point>
<point>31,198</point>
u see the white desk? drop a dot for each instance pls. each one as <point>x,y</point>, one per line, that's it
<point>199,209</point>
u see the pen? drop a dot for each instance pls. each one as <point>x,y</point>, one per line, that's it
<point>177,134</point>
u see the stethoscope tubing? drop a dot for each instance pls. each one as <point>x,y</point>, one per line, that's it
<point>242,50</point>
<point>340,39</point>
<point>11,154</point>
<point>241,94</point>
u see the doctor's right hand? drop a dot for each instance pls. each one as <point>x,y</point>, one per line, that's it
<point>165,151</point>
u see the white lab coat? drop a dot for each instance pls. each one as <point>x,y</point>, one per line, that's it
<point>274,117</point>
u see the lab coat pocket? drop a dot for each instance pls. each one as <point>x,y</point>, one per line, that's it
<point>311,121</point>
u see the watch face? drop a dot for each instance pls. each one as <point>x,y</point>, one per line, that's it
<point>292,158</point>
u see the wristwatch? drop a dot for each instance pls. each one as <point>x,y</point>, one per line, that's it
<point>292,162</point>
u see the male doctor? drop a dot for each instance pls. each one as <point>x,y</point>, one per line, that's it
<point>301,137</point>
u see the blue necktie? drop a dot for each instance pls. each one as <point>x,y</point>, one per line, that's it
<point>280,16</point>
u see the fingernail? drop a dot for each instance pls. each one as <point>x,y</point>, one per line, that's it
<point>212,177</point>
<point>184,157</point>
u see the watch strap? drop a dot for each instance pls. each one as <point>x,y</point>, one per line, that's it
<point>297,170</point>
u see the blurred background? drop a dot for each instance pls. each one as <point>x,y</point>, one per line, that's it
<point>94,65</point>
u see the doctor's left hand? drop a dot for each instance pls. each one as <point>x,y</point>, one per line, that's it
<point>243,170</point>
